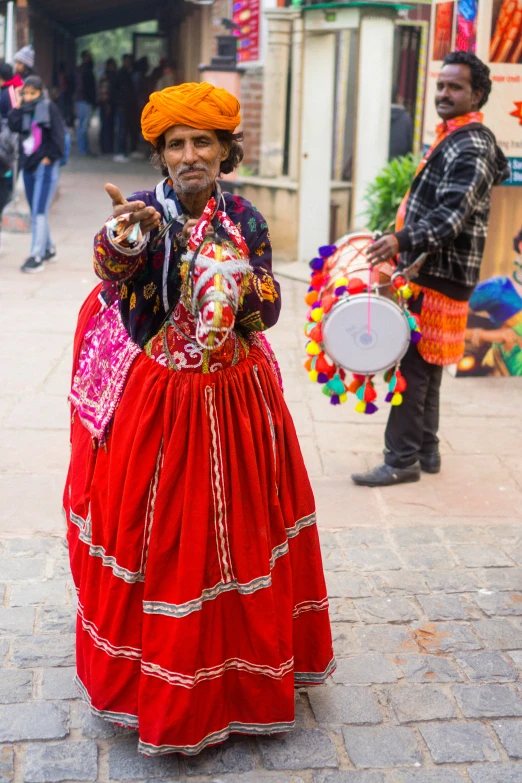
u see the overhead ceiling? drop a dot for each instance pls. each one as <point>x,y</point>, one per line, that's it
<point>82,17</point>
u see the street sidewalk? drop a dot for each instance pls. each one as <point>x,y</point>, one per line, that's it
<point>425,579</point>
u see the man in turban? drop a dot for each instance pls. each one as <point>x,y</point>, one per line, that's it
<point>192,531</point>
<point>192,128</point>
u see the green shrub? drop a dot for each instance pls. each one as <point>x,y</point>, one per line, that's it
<point>384,195</point>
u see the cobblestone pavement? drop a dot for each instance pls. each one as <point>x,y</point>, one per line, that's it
<point>428,634</point>
<point>425,580</point>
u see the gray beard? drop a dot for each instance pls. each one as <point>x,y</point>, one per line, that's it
<point>191,188</point>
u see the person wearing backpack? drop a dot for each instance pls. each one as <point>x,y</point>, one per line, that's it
<point>42,147</point>
<point>8,84</point>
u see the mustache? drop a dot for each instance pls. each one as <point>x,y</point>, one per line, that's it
<point>186,169</point>
<point>444,102</point>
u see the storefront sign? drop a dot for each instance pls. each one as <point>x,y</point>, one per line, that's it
<point>247,16</point>
<point>493,30</point>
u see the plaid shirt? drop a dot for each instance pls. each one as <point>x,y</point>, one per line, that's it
<point>448,208</point>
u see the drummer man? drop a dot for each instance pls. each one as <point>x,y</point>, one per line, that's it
<point>444,214</point>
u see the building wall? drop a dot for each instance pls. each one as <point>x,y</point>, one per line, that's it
<point>43,43</point>
<point>251,89</point>
<point>251,107</point>
<point>278,205</point>
<point>189,39</point>
<point>277,201</point>
<point>221,9</point>
<point>52,45</point>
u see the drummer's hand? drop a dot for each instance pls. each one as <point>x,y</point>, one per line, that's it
<point>148,217</point>
<point>384,249</point>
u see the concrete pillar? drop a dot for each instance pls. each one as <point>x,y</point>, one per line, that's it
<point>265,7</point>
<point>316,143</point>
<point>374,88</point>
<point>341,104</point>
<point>295,96</point>
<point>207,34</point>
<point>273,120</point>
<point>22,23</point>
<point>9,32</point>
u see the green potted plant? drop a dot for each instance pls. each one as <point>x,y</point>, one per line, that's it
<point>384,195</point>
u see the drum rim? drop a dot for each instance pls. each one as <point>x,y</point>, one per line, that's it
<point>355,235</point>
<point>346,300</point>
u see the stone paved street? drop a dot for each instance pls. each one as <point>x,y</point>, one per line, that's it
<point>425,580</point>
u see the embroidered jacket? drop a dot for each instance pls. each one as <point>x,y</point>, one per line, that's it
<point>447,212</point>
<point>149,288</point>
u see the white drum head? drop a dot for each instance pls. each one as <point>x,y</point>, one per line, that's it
<point>348,341</point>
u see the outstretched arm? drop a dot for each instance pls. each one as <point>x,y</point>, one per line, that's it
<point>460,190</point>
<point>120,247</point>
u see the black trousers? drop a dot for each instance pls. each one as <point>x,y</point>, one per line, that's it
<point>6,191</point>
<point>412,427</point>
<point>107,130</point>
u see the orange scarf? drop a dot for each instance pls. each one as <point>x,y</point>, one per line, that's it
<point>442,131</point>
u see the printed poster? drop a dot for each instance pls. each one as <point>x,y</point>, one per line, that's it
<point>493,30</point>
<point>466,40</point>
<point>444,23</point>
<point>494,329</point>
<point>246,15</point>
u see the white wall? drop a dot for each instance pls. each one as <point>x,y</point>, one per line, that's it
<point>316,143</point>
<point>373,106</point>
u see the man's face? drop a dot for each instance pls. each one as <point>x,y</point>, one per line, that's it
<point>193,158</point>
<point>454,95</point>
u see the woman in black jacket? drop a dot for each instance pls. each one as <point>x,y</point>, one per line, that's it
<point>7,142</point>
<point>42,146</point>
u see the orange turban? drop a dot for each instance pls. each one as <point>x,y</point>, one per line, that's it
<point>197,105</point>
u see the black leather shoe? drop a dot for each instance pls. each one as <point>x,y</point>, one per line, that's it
<point>386,476</point>
<point>430,463</point>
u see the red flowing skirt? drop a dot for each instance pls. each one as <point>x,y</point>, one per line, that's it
<point>196,558</point>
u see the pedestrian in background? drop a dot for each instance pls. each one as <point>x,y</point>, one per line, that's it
<point>85,100</point>
<point>141,84</point>
<point>24,62</point>
<point>401,128</point>
<point>167,77</point>
<point>42,146</point>
<point>8,101</point>
<point>64,84</point>
<point>141,70</point>
<point>107,104</point>
<point>126,110</point>
<point>9,83</point>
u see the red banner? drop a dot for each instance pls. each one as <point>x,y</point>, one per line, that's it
<point>247,16</point>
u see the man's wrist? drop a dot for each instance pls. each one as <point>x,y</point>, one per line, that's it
<point>131,245</point>
<point>404,240</point>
